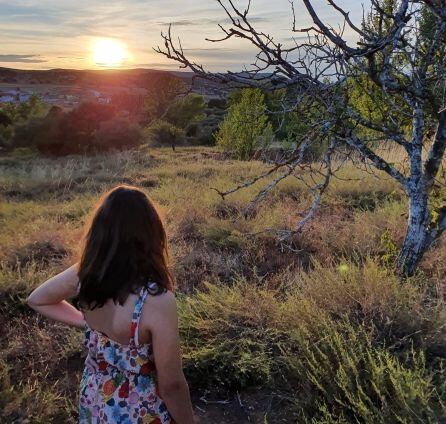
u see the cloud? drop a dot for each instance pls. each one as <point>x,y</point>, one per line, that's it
<point>20,58</point>
<point>208,21</point>
<point>62,31</point>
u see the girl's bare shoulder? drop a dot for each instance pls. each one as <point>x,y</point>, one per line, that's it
<point>160,302</point>
<point>159,311</point>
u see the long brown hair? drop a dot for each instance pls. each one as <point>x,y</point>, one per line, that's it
<point>124,248</point>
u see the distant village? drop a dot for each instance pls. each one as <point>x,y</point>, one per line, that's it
<point>66,97</point>
<point>69,88</point>
<point>69,97</point>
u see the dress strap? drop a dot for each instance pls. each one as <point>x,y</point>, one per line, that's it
<point>150,288</point>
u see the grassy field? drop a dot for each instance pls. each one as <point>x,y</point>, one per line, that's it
<point>318,331</point>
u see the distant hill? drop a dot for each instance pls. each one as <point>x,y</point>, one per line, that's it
<point>138,78</point>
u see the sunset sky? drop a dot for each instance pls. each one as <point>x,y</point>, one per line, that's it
<point>43,34</point>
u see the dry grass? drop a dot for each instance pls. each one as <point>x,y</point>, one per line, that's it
<point>45,203</point>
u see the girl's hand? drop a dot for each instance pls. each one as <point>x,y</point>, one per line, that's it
<point>49,299</point>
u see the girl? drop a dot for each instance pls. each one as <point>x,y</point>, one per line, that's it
<point>133,370</point>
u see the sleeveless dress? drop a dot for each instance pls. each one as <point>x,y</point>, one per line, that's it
<point>118,384</point>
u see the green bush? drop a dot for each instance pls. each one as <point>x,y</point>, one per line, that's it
<point>345,344</point>
<point>22,111</point>
<point>223,238</point>
<point>245,128</point>
<point>118,133</point>
<point>344,378</point>
<point>91,127</point>
<point>163,133</point>
<point>17,116</point>
<point>223,344</point>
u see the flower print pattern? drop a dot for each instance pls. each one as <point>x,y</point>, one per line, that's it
<point>118,384</point>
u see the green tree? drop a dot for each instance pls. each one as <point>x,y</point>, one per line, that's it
<point>186,111</point>
<point>372,104</point>
<point>245,127</point>
<point>171,127</point>
<point>14,116</point>
<point>21,111</point>
<point>163,133</point>
<point>161,96</point>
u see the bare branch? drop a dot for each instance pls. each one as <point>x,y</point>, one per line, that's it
<point>318,191</point>
<point>346,16</point>
<point>379,163</point>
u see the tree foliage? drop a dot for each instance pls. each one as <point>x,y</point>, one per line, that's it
<point>163,133</point>
<point>89,128</point>
<point>245,127</point>
<point>161,96</point>
<point>178,120</point>
<point>186,111</point>
<point>21,111</point>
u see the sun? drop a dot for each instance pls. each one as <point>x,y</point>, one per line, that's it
<point>108,52</point>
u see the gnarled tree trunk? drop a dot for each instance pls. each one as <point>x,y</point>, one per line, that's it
<point>416,240</point>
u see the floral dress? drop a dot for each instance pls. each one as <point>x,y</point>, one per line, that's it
<point>119,381</point>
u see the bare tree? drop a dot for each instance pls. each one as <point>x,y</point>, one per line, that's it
<point>403,64</point>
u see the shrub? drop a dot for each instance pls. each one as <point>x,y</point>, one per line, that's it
<point>217,103</point>
<point>344,378</point>
<point>118,133</point>
<point>224,343</point>
<point>245,127</point>
<point>5,119</point>
<point>223,237</point>
<point>89,128</point>
<point>6,133</point>
<point>163,133</point>
<point>17,116</point>
<point>22,111</point>
<point>347,344</point>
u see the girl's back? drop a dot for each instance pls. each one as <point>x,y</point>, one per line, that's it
<point>114,320</point>
<point>133,371</point>
<point>119,382</point>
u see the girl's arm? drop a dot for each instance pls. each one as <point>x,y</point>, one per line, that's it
<point>162,321</point>
<point>49,298</point>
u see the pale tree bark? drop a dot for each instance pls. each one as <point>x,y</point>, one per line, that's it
<point>421,233</point>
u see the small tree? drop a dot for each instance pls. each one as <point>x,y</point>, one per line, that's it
<point>186,111</point>
<point>245,127</point>
<point>170,127</point>
<point>161,96</point>
<point>400,50</point>
<point>21,111</point>
<point>163,133</point>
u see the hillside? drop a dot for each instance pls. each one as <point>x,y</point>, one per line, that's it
<point>136,78</point>
<point>319,330</point>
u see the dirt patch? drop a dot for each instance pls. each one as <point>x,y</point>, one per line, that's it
<point>147,182</point>
<point>272,257</point>
<point>253,406</point>
<point>40,252</point>
<point>226,210</point>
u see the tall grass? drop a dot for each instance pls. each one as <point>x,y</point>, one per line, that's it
<point>342,344</point>
<point>323,324</point>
